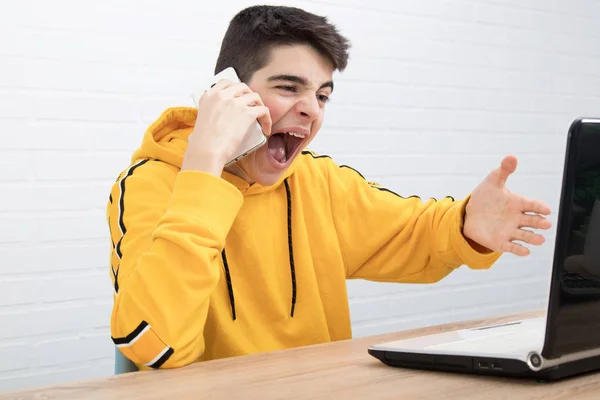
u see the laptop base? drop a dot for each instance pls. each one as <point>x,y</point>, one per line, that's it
<point>496,366</point>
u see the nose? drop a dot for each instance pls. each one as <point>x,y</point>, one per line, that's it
<point>308,107</point>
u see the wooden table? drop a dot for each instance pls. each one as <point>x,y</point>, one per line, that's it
<point>340,370</point>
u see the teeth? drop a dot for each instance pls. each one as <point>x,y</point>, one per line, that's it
<point>296,134</point>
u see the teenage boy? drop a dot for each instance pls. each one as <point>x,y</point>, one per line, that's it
<point>211,262</point>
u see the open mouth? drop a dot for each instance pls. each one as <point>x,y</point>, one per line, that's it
<point>284,145</point>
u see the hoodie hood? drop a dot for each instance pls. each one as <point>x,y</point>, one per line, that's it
<point>166,140</point>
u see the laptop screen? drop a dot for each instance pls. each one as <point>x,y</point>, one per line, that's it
<point>575,297</point>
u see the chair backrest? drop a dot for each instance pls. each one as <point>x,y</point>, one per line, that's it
<point>123,364</point>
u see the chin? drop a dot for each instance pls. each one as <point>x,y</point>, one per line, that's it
<point>267,180</point>
<point>267,164</point>
<point>263,169</point>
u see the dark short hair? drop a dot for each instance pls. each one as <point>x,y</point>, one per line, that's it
<point>255,30</point>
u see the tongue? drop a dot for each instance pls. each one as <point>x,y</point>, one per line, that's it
<point>277,147</point>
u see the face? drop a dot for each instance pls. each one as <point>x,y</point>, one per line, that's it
<point>295,86</point>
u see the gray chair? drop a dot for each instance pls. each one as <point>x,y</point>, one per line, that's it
<point>123,364</point>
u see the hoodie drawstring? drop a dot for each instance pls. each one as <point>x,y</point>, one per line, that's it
<point>290,250</point>
<point>229,284</point>
<point>290,244</point>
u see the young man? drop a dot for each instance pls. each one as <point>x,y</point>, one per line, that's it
<point>211,262</point>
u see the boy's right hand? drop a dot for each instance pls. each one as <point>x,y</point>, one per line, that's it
<point>225,114</point>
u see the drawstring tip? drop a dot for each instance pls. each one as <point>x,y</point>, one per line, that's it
<point>293,308</point>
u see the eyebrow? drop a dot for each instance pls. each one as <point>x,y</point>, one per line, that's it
<point>298,80</point>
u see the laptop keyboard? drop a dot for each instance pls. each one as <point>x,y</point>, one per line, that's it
<point>507,342</point>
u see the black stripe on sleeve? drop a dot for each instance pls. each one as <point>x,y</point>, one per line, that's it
<point>163,359</point>
<point>131,336</point>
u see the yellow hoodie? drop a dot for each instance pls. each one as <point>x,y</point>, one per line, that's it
<point>206,267</point>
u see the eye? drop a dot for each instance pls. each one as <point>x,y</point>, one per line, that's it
<point>323,98</point>
<point>287,88</point>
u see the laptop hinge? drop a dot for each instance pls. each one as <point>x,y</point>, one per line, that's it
<point>536,362</point>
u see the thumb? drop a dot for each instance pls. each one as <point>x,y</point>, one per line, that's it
<point>507,167</point>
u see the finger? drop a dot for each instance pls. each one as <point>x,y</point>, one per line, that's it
<point>220,85</point>
<point>516,249</point>
<point>528,237</point>
<point>535,222</point>
<point>263,115</point>
<point>235,90</point>
<point>535,206</point>
<point>507,167</point>
<point>250,99</point>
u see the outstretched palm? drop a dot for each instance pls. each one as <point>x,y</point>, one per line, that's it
<point>495,218</point>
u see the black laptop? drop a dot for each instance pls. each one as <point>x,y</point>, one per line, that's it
<point>566,340</point>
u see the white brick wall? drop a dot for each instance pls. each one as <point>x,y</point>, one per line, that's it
<point>435,95</point>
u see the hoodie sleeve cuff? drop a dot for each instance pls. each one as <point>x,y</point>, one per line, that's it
<point>467,254</point>
<point>207,198</point>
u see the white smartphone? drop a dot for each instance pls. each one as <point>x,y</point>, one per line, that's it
<point>255,137</point>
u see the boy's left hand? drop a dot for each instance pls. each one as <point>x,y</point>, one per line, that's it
<point>495,217</point>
